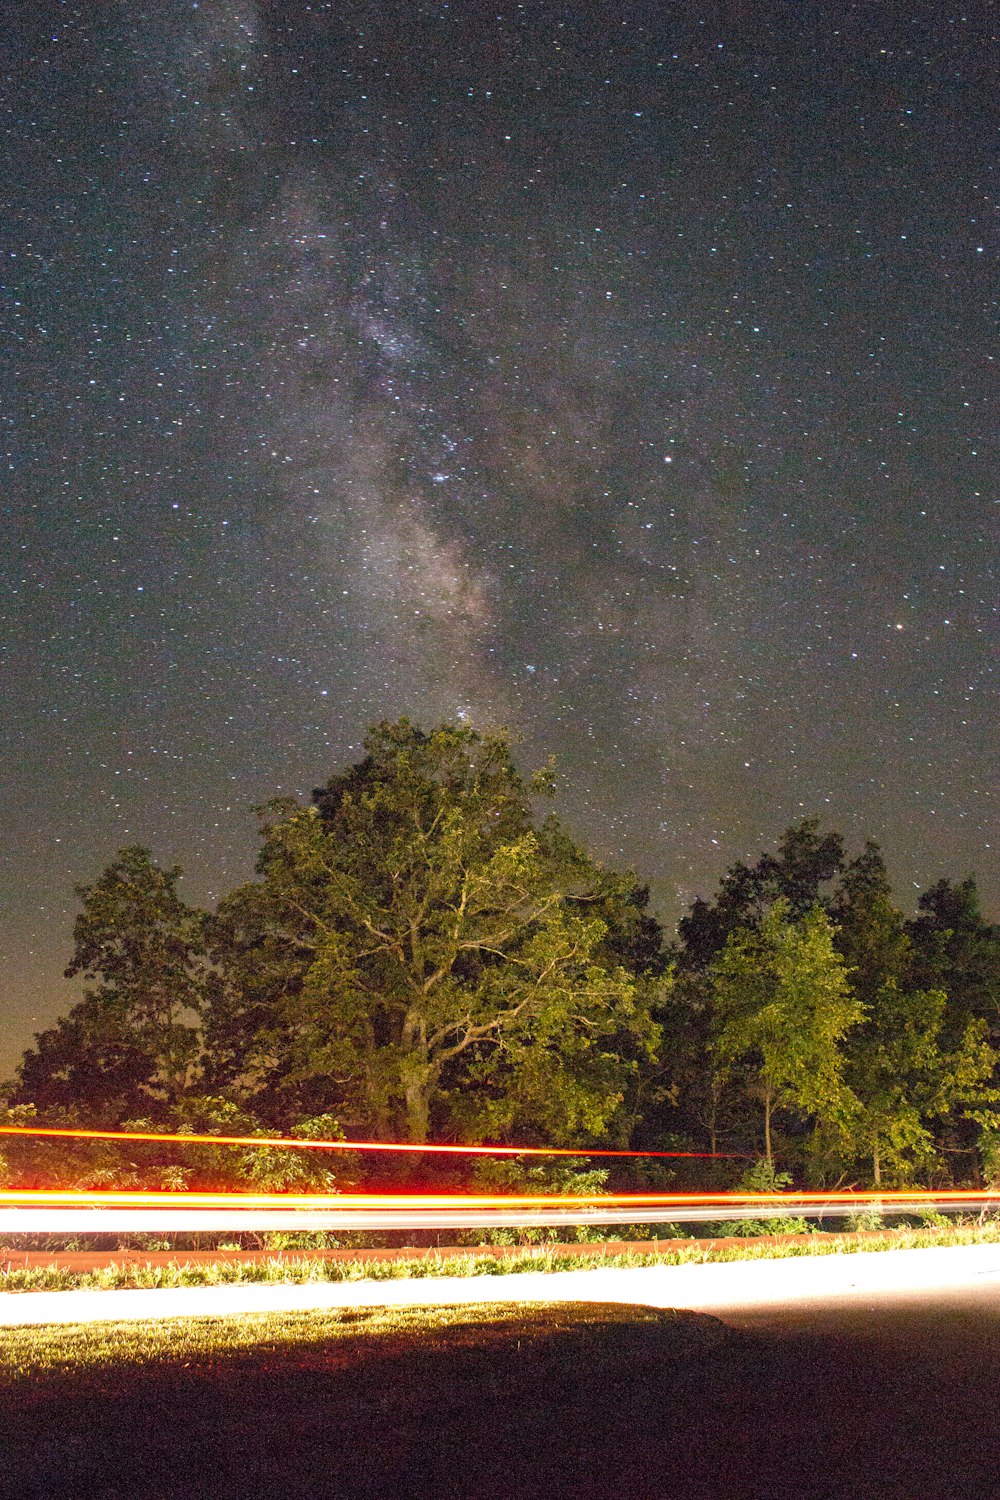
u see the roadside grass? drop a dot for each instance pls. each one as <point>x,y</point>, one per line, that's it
<point>334,1339</point>
<point>294,1270</point>
<point>506,1401</point>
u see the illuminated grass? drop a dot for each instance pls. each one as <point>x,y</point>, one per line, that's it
<point>333,1340</point>
<point>507,1402</point>
<point>227,1273</point>
<point>499,1401</point>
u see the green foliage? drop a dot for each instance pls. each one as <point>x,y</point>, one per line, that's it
<point>990,1156</point>
<point>421,955</point>
<point>111,1164</point>
<point>870,932</point>
<point>17,1115</point>
<point>763,1177</point>
<point>411,956</point>
<point>906,1074</point>
<point>85,1164</point>
<point>931,1219</point>
<point>866,1221</point>
<point>132,1042</point>
<point>782,1006</point>
<point>567,1177</point>
<point>266,1169</point>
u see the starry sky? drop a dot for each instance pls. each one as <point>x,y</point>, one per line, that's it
<point>624,373</point>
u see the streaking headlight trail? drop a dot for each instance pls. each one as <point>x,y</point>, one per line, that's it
<point>66,1211</point>
<point>24,1211</point>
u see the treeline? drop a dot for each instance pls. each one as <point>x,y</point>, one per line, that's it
<point>423,956</point>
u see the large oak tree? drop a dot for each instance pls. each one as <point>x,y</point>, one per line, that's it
<point>420,953</point>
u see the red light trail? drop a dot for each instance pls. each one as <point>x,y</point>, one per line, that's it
<point>305,1145</point>
<point>54,1210</point>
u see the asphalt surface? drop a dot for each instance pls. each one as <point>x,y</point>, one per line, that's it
<point>887,1402</point>
<point>887,1397</point>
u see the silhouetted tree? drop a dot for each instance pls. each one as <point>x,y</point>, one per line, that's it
<point>956,950</point>
<point>804,862</point>
<point>132,1042</point>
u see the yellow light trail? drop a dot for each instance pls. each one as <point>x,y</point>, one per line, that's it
<point>48,1210</point>
<point>140,1197</point>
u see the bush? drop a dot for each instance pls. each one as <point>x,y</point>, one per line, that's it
<point>763,1177</point>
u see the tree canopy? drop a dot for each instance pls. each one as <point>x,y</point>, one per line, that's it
<point>132,1042</point>
<point>419,948</point>
<point>783,1006</point>
<point>425,952</point>
<point>804,862</point>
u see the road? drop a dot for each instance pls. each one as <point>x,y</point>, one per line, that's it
<point>868,1377</point>
<point>735,1290</point>
<point>887,1397</point>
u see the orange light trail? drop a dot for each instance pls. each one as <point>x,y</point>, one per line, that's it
<point>76,1211</point>
<point>844,1201</point>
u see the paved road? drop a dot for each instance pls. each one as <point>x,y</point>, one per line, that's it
<point>894,1396</point>
<point>738,1288</point>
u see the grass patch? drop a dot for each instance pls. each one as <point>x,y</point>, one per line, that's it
<point>494,1400</point>
<point>226,1273</point>
<point>337,1339</point>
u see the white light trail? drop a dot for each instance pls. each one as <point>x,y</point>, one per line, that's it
<point>72,1221</point>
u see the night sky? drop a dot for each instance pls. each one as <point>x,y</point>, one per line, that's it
<point>624,373</point>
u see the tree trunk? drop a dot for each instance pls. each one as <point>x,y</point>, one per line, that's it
<point>767,1130</point>
<point>418,1077</point>
<point>877,1167</point>
<point>417,1116</point>
<point>417,1098</point>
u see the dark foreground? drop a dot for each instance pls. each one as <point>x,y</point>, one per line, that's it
<point>569,1401</point>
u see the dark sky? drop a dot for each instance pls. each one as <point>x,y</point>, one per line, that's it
<point>621,372</point>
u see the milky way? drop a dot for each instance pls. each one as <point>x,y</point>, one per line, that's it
<point>623,374</point>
